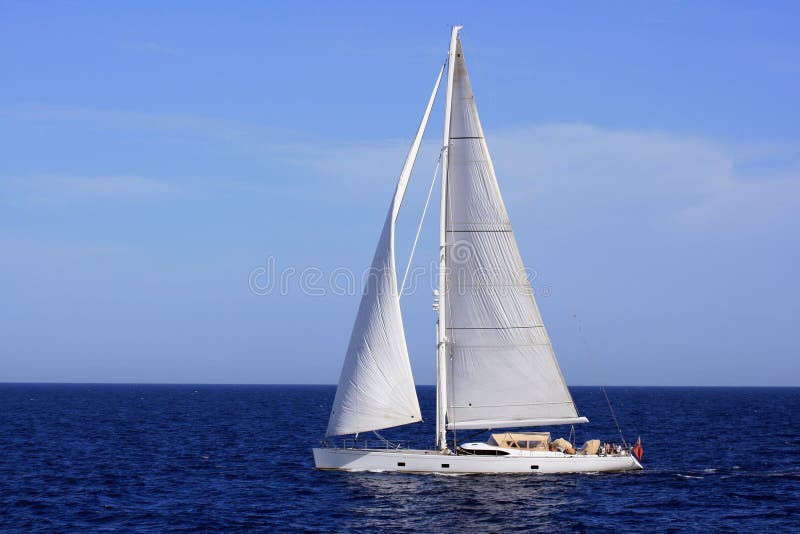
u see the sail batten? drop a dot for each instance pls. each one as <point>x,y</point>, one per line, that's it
<point>501,368</point>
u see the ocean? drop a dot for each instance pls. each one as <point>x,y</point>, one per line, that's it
<point>152,458</point>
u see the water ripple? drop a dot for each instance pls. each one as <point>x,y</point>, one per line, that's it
<point>236,458</point>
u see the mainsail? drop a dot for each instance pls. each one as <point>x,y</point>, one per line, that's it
<point>376,389</point>
<point>500,367</point>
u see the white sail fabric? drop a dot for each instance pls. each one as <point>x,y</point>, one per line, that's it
<point>376,388</point>
<point>501,369</point>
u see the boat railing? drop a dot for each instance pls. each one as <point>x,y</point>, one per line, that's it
<point>353,443</point>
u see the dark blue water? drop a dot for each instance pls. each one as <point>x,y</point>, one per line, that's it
<point>151,458</point>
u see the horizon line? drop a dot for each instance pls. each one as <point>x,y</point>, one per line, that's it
<point>289,384</point>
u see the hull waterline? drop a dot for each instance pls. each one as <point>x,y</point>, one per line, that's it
<point>420,461</point>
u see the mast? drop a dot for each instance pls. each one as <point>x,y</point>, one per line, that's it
<point>441,331</point>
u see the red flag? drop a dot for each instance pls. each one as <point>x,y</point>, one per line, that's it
<point>638,450</point>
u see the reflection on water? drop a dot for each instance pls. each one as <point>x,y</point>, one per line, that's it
<point>468,501</point>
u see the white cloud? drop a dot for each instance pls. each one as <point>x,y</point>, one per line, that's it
<point>49,189</point>
<point>666,178</point>
<point>190,127</point>
<point>661,178</point>
<point>355,165</point>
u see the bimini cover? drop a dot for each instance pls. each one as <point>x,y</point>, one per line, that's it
<point>537,441</point>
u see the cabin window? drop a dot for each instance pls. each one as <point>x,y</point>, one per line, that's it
<point>445,465</point>
<point>485,452</point>
<point>401,464</point>
<point>534,467</point>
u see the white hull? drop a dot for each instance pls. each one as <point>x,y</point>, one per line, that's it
<point>419,461</point>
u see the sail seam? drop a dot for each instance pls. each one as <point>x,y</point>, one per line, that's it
<point>490,285</point>
<point>508,231</point>
<point>493,327</point>
<point>495,348</point>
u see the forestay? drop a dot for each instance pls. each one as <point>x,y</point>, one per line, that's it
<point>376,388</point>
<point>501,369</point>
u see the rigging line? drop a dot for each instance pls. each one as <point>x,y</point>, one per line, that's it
<point>389,444</point>
<point>422,220</point>
<point>481,431</point>
<point>602,387</point>
<point>425,209</point>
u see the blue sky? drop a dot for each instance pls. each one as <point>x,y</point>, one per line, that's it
<point>153,155</point>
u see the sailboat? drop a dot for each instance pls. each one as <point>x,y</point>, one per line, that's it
<point>495,365</point>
